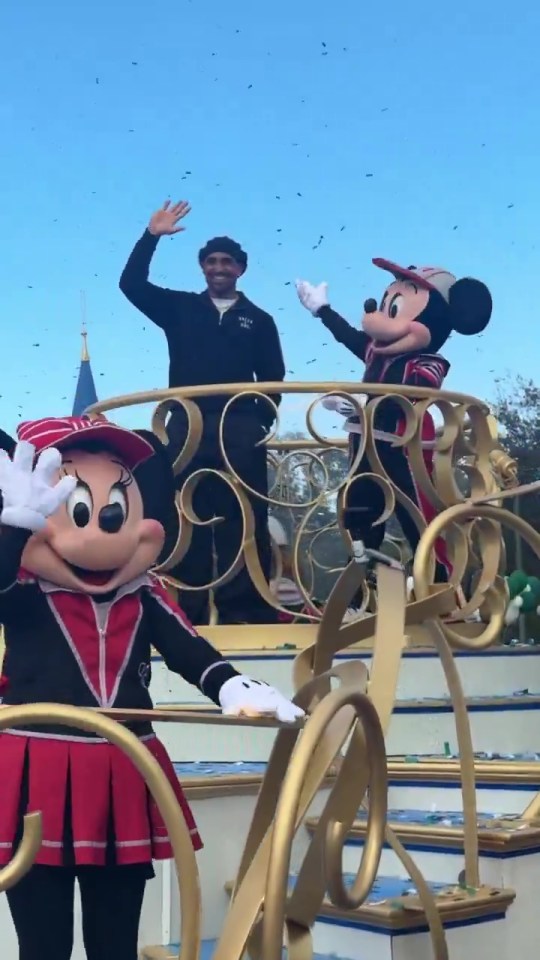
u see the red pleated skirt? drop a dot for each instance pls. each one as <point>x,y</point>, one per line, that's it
<point>88,791</point>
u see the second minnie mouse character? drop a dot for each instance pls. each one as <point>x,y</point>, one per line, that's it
<point>81,527</point>
<point>399,343</point>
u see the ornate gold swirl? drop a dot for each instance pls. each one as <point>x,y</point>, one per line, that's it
<point>296,771</point>
<point>307,482</point>
<point>312,671</point>
<point>274,915</point>
<point>194,428</point>
<point>26,853</point>
<point>490,591</point>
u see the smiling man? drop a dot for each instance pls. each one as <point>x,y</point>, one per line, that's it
<point>217,336</point>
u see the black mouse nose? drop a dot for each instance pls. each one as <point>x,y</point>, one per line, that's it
<point>370,305</point>
<point>111,518</point>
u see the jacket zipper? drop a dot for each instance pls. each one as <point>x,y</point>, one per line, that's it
<point>101,613</point>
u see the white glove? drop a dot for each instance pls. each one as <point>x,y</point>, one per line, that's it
<point>242,696</point>
<point>344,407</point>
<point>312,298</point>
<point>28,495</point>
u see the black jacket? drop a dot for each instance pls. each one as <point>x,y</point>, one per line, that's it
<point>242,346</point>
<point>65,647</point>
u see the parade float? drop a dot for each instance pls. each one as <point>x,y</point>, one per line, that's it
<point>399,820</point>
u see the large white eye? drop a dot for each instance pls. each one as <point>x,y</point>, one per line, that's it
<point>80,505</point>
<point>118,495</point>
<point>395,306</point>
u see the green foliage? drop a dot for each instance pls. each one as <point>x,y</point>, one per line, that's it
<point>517,409</point>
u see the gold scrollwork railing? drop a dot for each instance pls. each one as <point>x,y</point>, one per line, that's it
<point>312,474</point>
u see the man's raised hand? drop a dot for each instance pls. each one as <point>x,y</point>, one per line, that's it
<point>164,221</point>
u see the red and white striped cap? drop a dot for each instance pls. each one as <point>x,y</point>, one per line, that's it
<point>431,278</point>
<point>67,431</point>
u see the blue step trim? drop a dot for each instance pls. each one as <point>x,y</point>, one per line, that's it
<point>444,818</point>
<point>211,769</point>
<point>217,770</point>
<point>386,888</point>
<point>454,784</point>
<point>208,947</point>
<point>455,851</point>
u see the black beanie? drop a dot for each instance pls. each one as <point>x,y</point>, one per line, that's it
<point>224,245</point>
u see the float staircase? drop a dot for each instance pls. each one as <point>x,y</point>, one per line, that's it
<point>222,769</point>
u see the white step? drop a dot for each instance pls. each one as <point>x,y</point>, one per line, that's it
<point>437,854</point>
<point>507,796</point>
<point>484,939</point>
<point>509,859</point>
<point>509,725</point>
<point>223,823</point>
<point>413,785</point>
<point>231,810</point>
<point>500,671</point>
<point>338,940</point>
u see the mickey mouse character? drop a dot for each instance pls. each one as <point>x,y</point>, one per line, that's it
<point>81,527</point>
<point>399,343</point>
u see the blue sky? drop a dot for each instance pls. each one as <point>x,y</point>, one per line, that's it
<point>413,127</point>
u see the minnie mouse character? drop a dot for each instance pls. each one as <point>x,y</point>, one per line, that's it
<point>399,343</point>
<point>81,526</point>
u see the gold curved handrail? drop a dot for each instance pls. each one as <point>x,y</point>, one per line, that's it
<point>187,872</point>
<point>25,854</point>
<point>287,814</point>
<point>268,387</point>
<point>387,630</point>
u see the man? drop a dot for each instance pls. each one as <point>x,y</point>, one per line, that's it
<point>217,336</point>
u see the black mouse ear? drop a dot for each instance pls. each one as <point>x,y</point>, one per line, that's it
<point>154,442</point>
<point>470,306</point>
<point>155,479</point>
<point>7,443</point>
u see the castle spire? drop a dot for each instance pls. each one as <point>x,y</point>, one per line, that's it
<point>84,333</point>
<point>85,356</point>
<point>85,393</point>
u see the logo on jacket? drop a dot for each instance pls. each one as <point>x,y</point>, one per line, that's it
<point>145,675</point>
<point>245,322</point>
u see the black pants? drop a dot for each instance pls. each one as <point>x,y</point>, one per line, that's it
<point>237,601</point>
<point>42,907</point>
<point>365,501</point>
